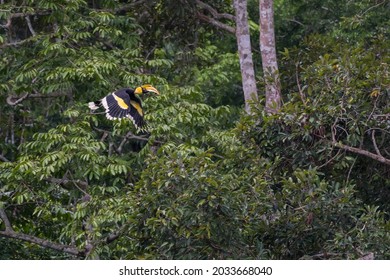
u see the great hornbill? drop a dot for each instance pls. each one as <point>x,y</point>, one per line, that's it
<point>124,103</point>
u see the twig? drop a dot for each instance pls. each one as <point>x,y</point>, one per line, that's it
<point>330,160</point>
<point>299,86</point>
<point>129,7</point>
<point>30,27</point>
<point>3,158</point>
<point>350,170</point>
<point>372,7</point>
<point>373,109</point>
<point>104,136</point>
<point>123,142</point>
<point>4,217</point>
<point>374,143</point>
<point>216,23</point>
<point>10,99</point>
<point>14,103</point>
<point>382,116</point>
<point>215,16</point>
<point>130,136</point>
<point>295,21</point>
<point>214,12</point>
<point>77,183</point>
<point>115,235</point>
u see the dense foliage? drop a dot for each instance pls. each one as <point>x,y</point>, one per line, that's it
<point>207,181</point>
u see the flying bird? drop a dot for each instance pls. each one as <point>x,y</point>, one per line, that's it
<point>124,103</point>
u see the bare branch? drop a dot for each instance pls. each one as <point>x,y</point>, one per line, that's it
<point>3,158</point>
<point>26,15</point>
<point>4,217</point>
<point>64,181</point>
<point>382,116</point>
<point>373,7</point>
<point>52,95</point>
<point>130,136</point>
<point>123,142</point>
<point>216,23</point>
<point>14,44</point>
<point>301,93</point>
<point>295,21</point>
<point>214,12</point>
<point>129,7</point>
<point>215,16</point>
<point>30,27</point>
<point>42,242</point>
<point>361,152</point>
<point>377,156</point>
<point>11,99</point>
<point>10,233</point>
<point>16,102</point>
<point>374,143</point>
<point>36,13</point>
<point>115,235</point>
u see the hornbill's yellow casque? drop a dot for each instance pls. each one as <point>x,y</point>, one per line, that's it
<point>124,103</point>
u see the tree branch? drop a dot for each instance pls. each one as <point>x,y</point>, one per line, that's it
<point>372,7</point>
<point>129,7</point>
<point>215,16</point>
<point>6,221</point>
<point>37,13</point>
<point>216,23</point>
<point>26,16</point>
<point>65,181</point>
<point>374,143</point>
<point>30,27</point>
<point>3,158</point>
<point>377,156</point>
<point>42,242</point>
<point>301,93</point>
<point>295,21</point>
<point>130,136</point>
<point>10,233</point>
<point>114,236</point>
<point>17,101</point>
<point>362,152</point>
<point>11,99</point>
<point>214,12</point>
<point>15,44</point>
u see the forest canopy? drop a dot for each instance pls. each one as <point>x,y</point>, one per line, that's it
<point>217,175</point>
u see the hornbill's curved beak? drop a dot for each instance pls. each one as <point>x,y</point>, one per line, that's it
<point>151,89</point>
<point>146,88</point>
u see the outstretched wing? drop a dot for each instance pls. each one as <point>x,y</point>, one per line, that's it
<point>136,113</point>
<point>117,105</point>
<point>122,104</point>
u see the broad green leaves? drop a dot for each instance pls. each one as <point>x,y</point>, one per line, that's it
<point>204,182</point>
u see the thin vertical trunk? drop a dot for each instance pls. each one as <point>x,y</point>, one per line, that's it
<point>245,52</point>
<point>268,57</point>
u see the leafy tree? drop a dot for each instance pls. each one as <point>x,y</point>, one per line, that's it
<point>207,180</point>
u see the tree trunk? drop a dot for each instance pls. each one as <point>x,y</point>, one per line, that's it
<point>245,53</point>
<point>268,57</point>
